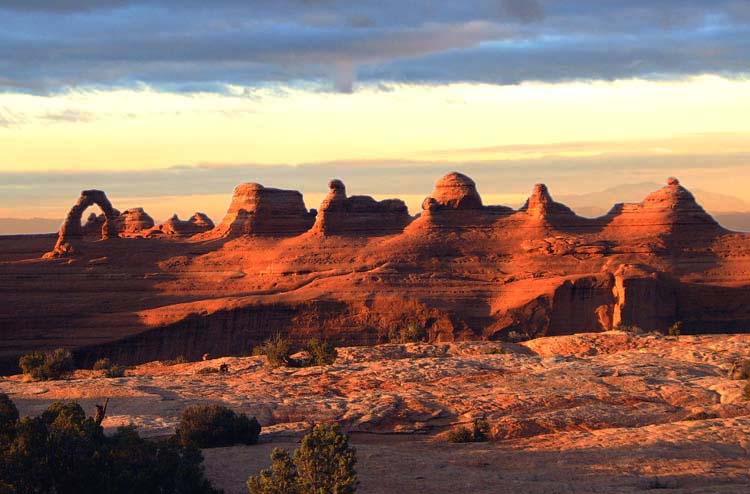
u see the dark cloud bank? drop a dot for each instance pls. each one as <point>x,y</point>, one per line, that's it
<point>48,45</point>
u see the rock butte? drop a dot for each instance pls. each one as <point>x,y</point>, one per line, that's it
<point>258,210</point>
<point>357,268</point>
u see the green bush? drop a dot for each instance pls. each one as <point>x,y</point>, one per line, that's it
<point>460,434</point>
<point>279,478</point>
<point>675,329</point>
<point>493,350</point>
<point>8,415</point>
<point>324,463</point>
<point>630,329</point>
<point>47,366</point>
<point>115,371</point>
<point>411,333</point>
<point>478,433</point>
<point>62,451</point>
<point>207,370</point>
<point>321,352</point>
<point>740,370</point>
<point>516,337</point>
<point>180,359</point>
<point>277,350</point>
<point>102,364</point>
<point>210,426</point>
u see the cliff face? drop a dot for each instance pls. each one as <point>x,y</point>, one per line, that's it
<point>358,269</point>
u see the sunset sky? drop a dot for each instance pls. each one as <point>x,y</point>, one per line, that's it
<point>169,104</point>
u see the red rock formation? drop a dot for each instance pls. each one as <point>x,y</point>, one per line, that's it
<point>130,222</point>
<point>456,191</point>
<point>462,270</point>
<point>174,226</point>
<point>259,210</point>
<point>456,203</point>
<point>359,215</point>
<point>670,211</point>
<point>541,207</point>
<point>133,221</point>
<point>71,232</point>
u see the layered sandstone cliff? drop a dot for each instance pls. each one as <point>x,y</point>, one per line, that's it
<point>259,210</point>
<point>359,215</point>
<point>360,269</point>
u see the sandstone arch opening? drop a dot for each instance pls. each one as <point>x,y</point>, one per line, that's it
<point>71,231</point>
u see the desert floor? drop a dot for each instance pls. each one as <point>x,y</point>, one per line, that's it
<point>608,412</point>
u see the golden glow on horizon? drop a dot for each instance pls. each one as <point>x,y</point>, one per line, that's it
<point>146,129</point>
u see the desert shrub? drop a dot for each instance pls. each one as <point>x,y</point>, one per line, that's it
<point>210,426</point>
<point>477,434</point>
<point>48,365</point>
<point>494,351</point>
<point>324,463</point>
<point>102,364</point>
<point>515,336</point>
<point>630,329</point>
<point>411,333</point>
<point>460,434</point>
<point>63,451</point>
<point>180,359</point>
<point>740,370</point>
<point>277,350</point>
<point>657,483</point>
<point>279,478</point>
<point>208,370</point>
<point>8,415</point>
<point>675,329</point>
<point>321,352</point>
<point>115,371</point>
<point>702,415</point>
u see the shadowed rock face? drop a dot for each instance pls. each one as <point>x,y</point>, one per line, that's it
<point>359,215</point>
<point>258,210</point>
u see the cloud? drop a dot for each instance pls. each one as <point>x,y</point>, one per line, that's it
<point>48,45</point>
<point>10,118</point>
<point>69,115</point>
<point>525,10</point>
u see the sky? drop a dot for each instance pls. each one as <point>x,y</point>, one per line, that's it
<point>169,104</point>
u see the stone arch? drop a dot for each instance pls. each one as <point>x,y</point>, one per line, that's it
<point>71,232</point>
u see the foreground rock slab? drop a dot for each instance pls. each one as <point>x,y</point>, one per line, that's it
<point>569,413</point>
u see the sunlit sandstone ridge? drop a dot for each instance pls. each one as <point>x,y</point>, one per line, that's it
<point>357,268</point>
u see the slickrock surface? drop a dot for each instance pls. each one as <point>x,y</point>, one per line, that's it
<point>461,269</point>
<point>572,413</point>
